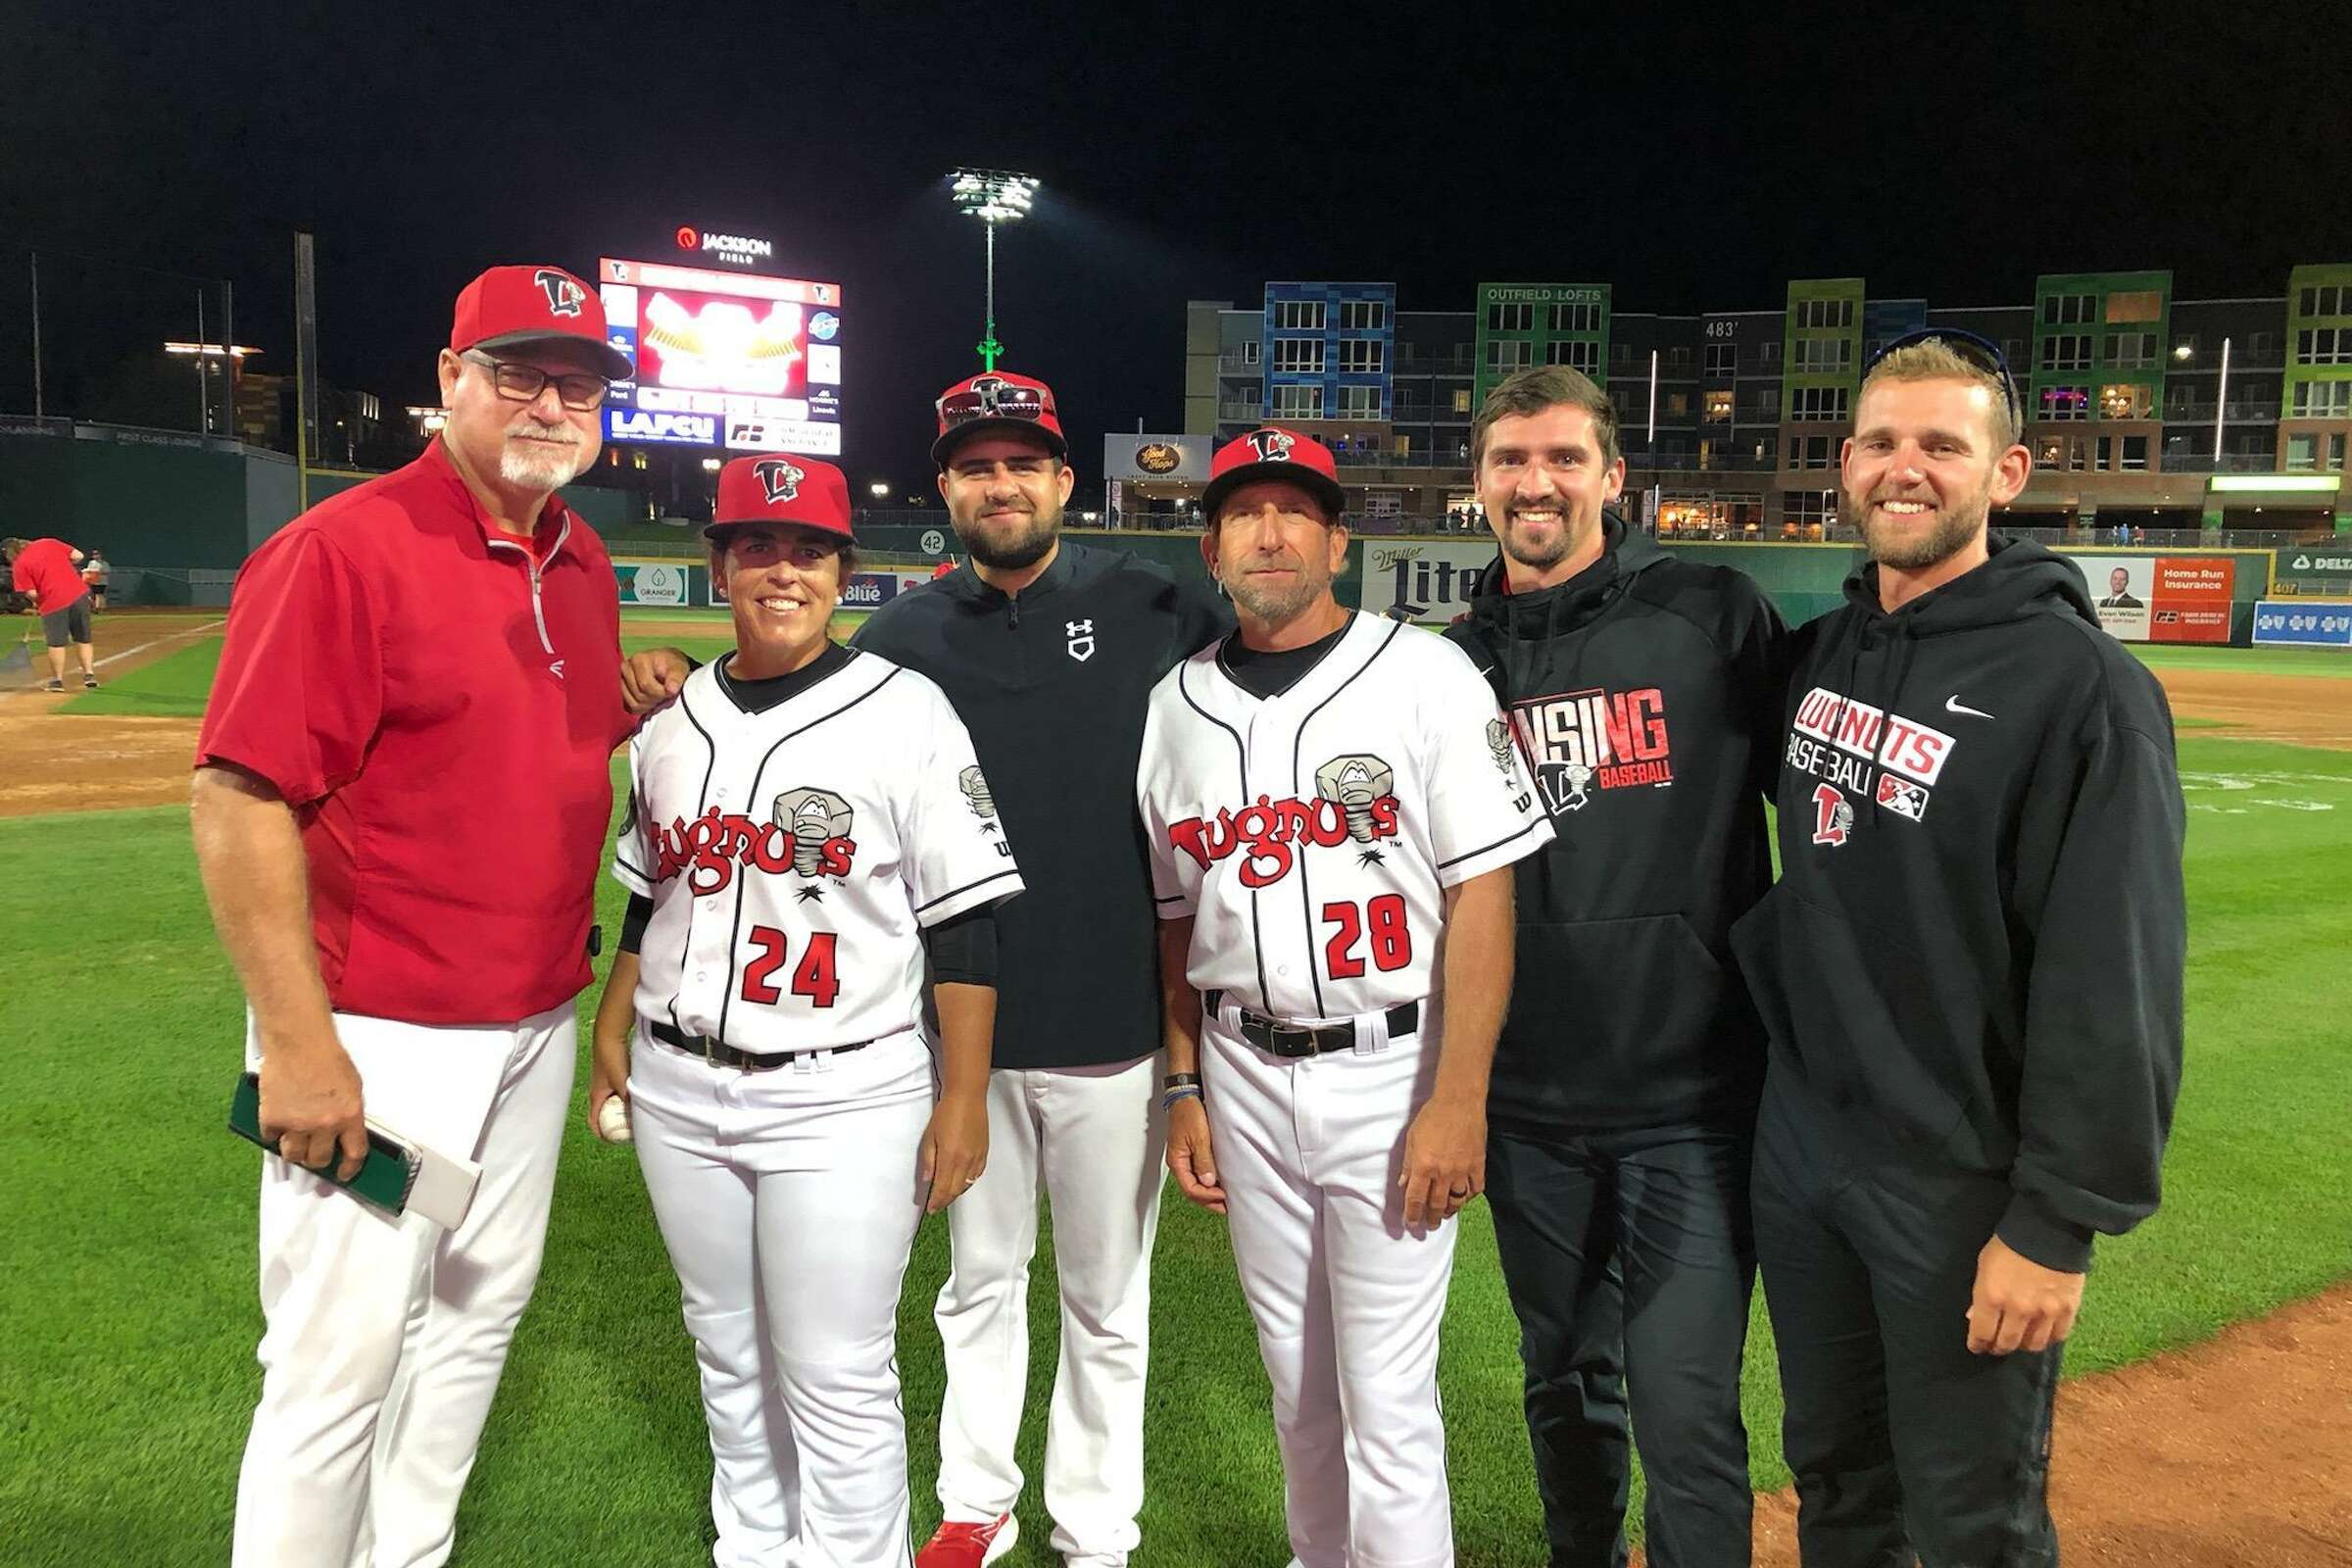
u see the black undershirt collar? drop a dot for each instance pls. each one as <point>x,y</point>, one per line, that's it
<point>759,696</point>
<point>1267,674</point>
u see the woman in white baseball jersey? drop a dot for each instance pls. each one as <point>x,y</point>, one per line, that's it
<point>806,820</point>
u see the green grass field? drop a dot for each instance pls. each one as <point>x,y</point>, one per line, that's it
<point>127,1381</point>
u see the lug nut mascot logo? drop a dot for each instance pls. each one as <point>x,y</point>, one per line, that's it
<point>1271,446</point>
<point>1354,799</point>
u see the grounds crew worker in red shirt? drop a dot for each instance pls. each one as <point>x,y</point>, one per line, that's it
<point>1971,973</point>
<point>402,796</point>
<point>50,569</point>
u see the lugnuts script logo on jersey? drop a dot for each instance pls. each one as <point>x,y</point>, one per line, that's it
<point>1581,741</point>
<point>1354,799</point>
<point>809,837</point>
<point>563,296</point>
<point>779,480</point>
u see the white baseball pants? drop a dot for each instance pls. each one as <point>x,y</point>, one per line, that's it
<point>1095,1139</point>
<point>1348,1301</point>
<point>788,1200</point>
<point>384,1337</point>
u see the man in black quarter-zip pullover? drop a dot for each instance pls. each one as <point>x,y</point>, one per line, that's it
<point>1971,974</point>
<point>1642,688</point>
<point>1049,651</point>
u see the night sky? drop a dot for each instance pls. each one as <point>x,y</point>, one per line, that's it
<point>1191,152</point>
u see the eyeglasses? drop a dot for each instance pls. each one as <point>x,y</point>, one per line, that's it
<point>522,383</point>
<point>1977,349</point>
<point>1003,401</point>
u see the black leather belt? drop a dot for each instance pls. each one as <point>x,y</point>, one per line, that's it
<point>718,1054</point>
<point>1278,1039</point>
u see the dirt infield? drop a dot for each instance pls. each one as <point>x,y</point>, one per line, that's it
<point>2298,709</point>
<point>2228,1454</point>
<point>95,764</point>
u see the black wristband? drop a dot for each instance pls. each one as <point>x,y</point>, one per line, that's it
<point>1178,1080</point>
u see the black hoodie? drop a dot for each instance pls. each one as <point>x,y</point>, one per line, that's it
<point>1645,692</point>
<point>1974,956</point>
<point>1052,684</point>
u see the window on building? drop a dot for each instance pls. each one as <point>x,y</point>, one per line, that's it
<point>1508,352</point>
<point>2136,454</point>
<point>1679,359</point>
<point>2322,400</point>
<point>2324,345</point>
<point>1818,403</point>
<point>1768,403</point>
<point>2261,345</point>
<point>1578,353</point>
<point>2066,351</point>
<point>1363,356</point>
<point>1298,316</point>
<point>1249,353</point>
<point>1620,353</point>
<point>1577,317</point>
<point>1678,404</point>
<point>2336,450</point>
<point>2185,345</point>
<point>1621,398</point>
<point>2013,350</point>
<point>1822,314</point>
<point>1515,317</point>
<point>1823,356</point>
<point>1768,354</point>
<point>2136,305</point>
<point>2333,300</point>
<point>1359,403</point>
<point>2065,310</point>
<point>2106,458</point>
<point>1723,359</point>
<point>1298,403</point>
<point>1363,316</point>
<point>1812,452</point>
<point>2302,452</point>
<point>2065,402</point>
<point>1719,407</point>
<point>1298,356</point>
<point>2130,351</point>
<point>2126,401</point>
<point>2308,302</point>
<point>1461,399</point>
<point>1810,510</point>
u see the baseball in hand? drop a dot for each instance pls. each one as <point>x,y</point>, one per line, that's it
<point>612,1120</point>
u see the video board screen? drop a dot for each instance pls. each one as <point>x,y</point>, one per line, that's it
<point>727,359</point>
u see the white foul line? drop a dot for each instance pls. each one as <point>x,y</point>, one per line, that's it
<point>192,631</point>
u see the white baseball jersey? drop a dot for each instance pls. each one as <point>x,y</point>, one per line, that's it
<point>793,856</point>
<point>1311,835</point>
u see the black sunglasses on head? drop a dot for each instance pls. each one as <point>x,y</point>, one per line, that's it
<point>998,403</point>
<point>1974,347</point>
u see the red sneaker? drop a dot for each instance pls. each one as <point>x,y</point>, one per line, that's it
<point>958,1545</point>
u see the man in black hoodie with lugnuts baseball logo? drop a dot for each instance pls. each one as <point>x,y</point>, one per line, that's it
<point>1970,971</point>
<point>1645,690</point>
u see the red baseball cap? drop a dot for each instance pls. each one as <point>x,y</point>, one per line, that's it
<point>997,399</point>
<point>512,307</point>
<point>1270,452</point>
<point>777,487</point>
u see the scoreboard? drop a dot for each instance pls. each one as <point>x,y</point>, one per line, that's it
<point>730,359</point>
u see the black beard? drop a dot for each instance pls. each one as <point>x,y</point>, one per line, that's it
<point>1025,550</point>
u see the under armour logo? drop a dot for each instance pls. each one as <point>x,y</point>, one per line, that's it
<point>779,480</point>
<point>1271,446</point>
<point>563,296</point>
<point>1081,634</point>
<point>989,389</point>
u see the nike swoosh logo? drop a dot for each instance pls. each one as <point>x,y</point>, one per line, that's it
<point>1953,705</point>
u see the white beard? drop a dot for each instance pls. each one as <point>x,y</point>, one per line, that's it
<point>539,466</point>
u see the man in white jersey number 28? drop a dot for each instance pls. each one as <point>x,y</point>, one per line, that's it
<point>1333,807</point>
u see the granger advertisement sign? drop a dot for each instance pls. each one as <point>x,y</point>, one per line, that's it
<point>644,583</point>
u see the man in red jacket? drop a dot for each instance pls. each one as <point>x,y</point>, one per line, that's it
<point>50,570</point>
<point>402,794</point>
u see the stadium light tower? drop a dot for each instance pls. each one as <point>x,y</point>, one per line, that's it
<point>996,197</point>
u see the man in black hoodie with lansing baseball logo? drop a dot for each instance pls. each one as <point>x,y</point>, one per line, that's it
<point>1970,971</point>
<point>1644,689</point>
